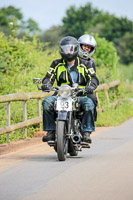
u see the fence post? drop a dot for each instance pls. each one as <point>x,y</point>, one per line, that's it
<point>99,106</point>
<point>8,118</point>
<point>107,95</point>
<point>24,117</point>
<point>39,110</point>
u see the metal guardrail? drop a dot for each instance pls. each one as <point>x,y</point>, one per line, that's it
<point>38,95</point>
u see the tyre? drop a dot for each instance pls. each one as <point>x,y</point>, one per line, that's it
<point>71,149</point>
<point>73,153</point>
<point>62,142</point>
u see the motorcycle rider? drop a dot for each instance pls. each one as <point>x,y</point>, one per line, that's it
<point>87,47</point>
<point>68,70</point>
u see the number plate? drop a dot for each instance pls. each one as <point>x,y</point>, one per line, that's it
<point>64,104</point>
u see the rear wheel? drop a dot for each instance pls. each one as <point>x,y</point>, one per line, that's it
<point>62,141</point>
<point>71,149</point>
<point>73,153</point>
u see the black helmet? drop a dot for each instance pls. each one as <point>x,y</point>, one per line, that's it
<point>69,48</point>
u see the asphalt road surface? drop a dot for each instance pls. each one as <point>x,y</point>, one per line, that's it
<point>103,172</point>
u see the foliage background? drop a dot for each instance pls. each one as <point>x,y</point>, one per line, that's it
<point>24,56</point>
<point>76,22</point>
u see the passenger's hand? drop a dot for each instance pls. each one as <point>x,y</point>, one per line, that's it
<point>90,89</point>
<point>46,87</point>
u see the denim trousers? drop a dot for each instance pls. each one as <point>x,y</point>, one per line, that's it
<point>86,105</point>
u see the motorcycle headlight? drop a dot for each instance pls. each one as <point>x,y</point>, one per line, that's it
<point>65,91</point>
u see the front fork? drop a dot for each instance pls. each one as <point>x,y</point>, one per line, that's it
<point>70,123</point>
<point>66,116</point>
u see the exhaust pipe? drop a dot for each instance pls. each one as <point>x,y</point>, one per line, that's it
<point>76,139</point>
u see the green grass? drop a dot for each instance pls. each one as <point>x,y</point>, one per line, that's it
<point>126,72</point>
<point>115,116</point>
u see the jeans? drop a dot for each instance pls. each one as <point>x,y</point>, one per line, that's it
<point>86,105</point>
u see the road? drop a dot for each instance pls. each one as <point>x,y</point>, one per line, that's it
<point>103,172</point>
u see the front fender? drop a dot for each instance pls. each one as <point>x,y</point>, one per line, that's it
<point>62,116</point>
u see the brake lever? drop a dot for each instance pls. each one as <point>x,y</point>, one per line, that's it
<point>81,90</point>
<point>52,89</point>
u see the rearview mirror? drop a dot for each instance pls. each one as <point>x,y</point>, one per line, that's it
<point>37,81</point>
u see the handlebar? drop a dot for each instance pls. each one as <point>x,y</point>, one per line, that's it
<point>51,89</point>
<point>77,90</point>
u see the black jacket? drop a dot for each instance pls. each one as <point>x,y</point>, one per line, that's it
<point>89,74</point>
<point>91,64</point>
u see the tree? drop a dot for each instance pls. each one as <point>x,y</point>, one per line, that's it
<point>32,26</point>
<point>52,36</point>
<point>12,14</point>
<point>77,21</point>
<point>7,14</point>
<point>125,48</point>
<point>106,59</point>
<point>114,28</point>
<point>87,19</point>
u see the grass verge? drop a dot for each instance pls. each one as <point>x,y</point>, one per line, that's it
<point>115,116</point>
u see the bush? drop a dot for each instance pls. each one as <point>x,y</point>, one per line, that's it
<point>18,57</point>
<point>20,62</point>
<point>106,60</point>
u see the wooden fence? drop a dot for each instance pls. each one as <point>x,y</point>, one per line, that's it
<point>38,95</point>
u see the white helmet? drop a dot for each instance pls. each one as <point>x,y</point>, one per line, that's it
<point>87,40</point>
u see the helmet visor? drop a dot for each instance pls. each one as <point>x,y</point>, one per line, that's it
<point>68,49</point>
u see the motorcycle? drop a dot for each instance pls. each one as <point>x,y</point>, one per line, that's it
<point>68,137</point>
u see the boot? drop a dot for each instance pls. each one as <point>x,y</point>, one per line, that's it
<point>50,136</point>
<point>86,137</point>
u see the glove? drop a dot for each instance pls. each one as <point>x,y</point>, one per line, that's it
<point>45,87</point>
<point>90,89</point>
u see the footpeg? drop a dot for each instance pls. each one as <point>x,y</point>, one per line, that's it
<point>51,143</point>
<point>85,145</point>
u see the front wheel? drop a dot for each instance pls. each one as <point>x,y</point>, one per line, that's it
<point>62,141</point>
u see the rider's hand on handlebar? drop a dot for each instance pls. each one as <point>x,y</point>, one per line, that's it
<point>90,89</point>
<point>45,87</point>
